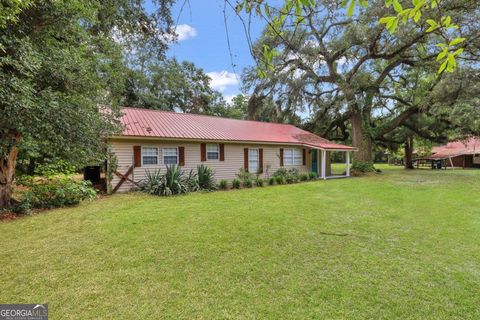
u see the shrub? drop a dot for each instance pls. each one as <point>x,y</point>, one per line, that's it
<point>50,169</point>
<point>280,179</point>
<point>289,179</point>
<point>304,176</point>
<point>24,180</point>
<point>289,176</point>
<point>154,182</point>
<point>362,168</point>
<point>236,184</point>
<point>313,175</point>
<point>293,176</point>
<point>223,184</point>
<point>55,193</point>
<point>243,174</point>
<point>206,180</point>
<point>271,181</point>
<point>191,181</point>
<point>258,181</point>
<point>280,172</point>
<point>247,183</point>
<point>173,182</point>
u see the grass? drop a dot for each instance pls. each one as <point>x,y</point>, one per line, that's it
<point>396,245</point>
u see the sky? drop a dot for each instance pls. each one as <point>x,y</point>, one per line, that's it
<point>202,39</point>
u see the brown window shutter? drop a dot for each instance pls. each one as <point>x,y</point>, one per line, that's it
<point>304,158</point>
<point>181,156</point>
<point>281,157</point>
<point>137,156</point>
<point>222,152</point>
<point>203,152</point>
<point>260,160</point>
<point>245,159</point>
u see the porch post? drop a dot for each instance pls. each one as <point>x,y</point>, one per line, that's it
<point>348,164</point>
<point>324,164</point>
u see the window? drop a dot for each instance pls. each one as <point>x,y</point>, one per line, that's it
<point>476,159</point>
<point>253,160</point>
<point>212,151</point>
<point>293,157</point>
<point>149,155</point>
<point>170,156</point>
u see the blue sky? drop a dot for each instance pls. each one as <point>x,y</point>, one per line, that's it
<point>203,40</point>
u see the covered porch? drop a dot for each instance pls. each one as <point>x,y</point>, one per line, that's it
<point>321,163</point>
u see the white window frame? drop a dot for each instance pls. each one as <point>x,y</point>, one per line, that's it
<point>217,151</point>
<point>158,156</point>
<point>293,159</point>
<point>258,160</point>
<point>163,155</point>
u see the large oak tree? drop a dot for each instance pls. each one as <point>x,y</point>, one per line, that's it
<point>342,65</point>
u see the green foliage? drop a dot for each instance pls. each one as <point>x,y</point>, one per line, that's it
<point>245,177</point>
<point>313,175</point>
<point>112,165</point>
<point>360,168</point>
<point>259,181</point>
<point>172,85</point>
<point>206,180</point>
<point>9,11</point>
<point>55,193</point>
<point>50,169</point>
<point>299,11</point>
<point>304,176</point>
<point>288,176</point>
<point>223,185</point>
<point>271,181</point>
<point>280,179</point>
<point>154,183</point>
<point>236,183</point>
<point>173,182</point>
<point>236,109</point>
<point>280,172</point>
<point>247,183</point>
<point>62,66</point>
<point>291,179</point>
<point>24,180</point>
<point>444,24</point>
<point>176,181</point>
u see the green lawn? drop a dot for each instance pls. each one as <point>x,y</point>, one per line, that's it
<point>396,245</point>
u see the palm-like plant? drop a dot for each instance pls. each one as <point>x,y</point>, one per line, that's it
<point>173,182</point>
<point>206,181</point>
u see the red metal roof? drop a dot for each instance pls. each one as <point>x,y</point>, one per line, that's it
<point>163,124</point>
<point>456,148</point>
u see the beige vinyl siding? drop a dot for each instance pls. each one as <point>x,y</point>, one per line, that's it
<point>223,169</point>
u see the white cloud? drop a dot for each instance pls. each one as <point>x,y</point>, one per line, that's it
<point>229,97</point>
<point>222,79</point>
<point>185,32</point>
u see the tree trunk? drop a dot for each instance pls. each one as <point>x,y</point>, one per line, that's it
<point>409,153</point>
<point>7,167</point>
<point>359,140</point>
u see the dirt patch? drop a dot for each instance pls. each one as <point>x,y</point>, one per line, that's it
<point>9,216</point>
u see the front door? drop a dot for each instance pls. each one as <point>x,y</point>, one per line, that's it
<point>314,160</point>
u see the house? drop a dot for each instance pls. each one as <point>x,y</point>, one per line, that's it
<point>462,154</point>
<point>152,139</point>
